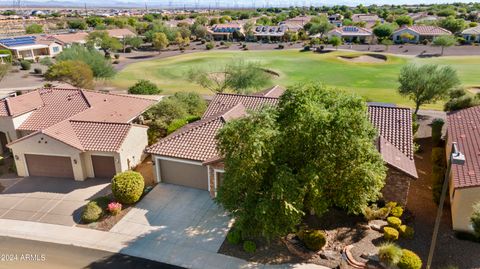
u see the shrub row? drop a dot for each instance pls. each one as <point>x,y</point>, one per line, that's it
<point>234,237</point>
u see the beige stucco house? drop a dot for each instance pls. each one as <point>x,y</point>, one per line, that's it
<point>189,156</point>
<point>73,133</point>
<point>418,33</point>
<point>31,47</point>
<point>464,187</point>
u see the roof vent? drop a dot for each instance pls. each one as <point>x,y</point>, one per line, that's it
<point>105,99</point>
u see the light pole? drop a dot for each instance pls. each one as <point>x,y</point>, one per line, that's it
<point>456,157</point>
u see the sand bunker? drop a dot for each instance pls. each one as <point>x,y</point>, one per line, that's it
<point>367,58</point>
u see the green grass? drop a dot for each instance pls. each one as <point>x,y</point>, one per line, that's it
<point>374,81</point>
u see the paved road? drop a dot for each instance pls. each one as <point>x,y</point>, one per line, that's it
<point>42,255</point>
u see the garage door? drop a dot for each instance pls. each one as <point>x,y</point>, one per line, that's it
<point>189,175</point>
<point>49,166</point>
<point>103,166</point>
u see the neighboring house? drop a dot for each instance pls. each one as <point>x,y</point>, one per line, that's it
<point>423,17</point>
<point>227,31</point>
<point>463,128</point>
<point>73,133</point>
<point>270,33</point>
<point>472,35</point>
<point>31,47</point>
<point>336,19</point>
<point>419,33</point>
<point>352,34</point>
<point>369,19</point>
<point>67,40</point>
<point>189,156</point>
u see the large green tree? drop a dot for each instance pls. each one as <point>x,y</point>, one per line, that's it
<point>444,41</point>
<point>383,31</point>
<point>426,84</point>
<point>239,76</point>
<point>101,67</point>
<point>314,152</point>
<point>34,29</point>
<point>104,41</point>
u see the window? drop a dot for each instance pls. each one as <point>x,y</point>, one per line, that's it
<point>56,49</point>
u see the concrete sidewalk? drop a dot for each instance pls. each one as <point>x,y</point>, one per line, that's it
<point>116,242</point>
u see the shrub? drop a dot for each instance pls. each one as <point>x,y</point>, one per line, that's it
<point>437,125</point>
<point>116,62</point>
<point>114,208</point>
<point>117,56</point>
<point>475,219</point>
<point>222,43</point>
<point>47,61</point>
<point>25,65</point>
<point>306,48</point>
<point>249,246</point>
<point>415,124</point>
<point>281,46</point>
<point>390,205</point>
<point>128,50</point>
<point>210,45</point>
<point>191,119</point>
<point>394,222</point>
<point>37,71</point>
<point>203,41</point>
<point>457,92</point>
<point>373,213</point>
<point>390,233</point>
<point>409,260</point>
<point>313,239</point>
<point>144,87</point>
<point>100,66</point>
<point>76,73</point>
<point>406,231</point>
<point>459,103</point>
<point>389,253</point>
<point>176,124</point>
<point>127,187</point>
<point>92,212</point>
<point>438,156</point>
<point>438,176</point>
<point>397,211</point>
<point>234,236</point>
<point>2,160</point>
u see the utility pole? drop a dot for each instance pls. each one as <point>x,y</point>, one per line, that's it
<point>456,157</point>
<point>86,11</point>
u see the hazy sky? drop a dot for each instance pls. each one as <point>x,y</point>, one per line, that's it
<point>230,3</point>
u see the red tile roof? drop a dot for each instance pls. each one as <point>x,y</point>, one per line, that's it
<point>464,128</point>
<point>351,31</point>
<point>85,120</point>
<point>224,101</point>
<point>275,91</point>
<point>14,106</point>
<point>196,141</point>
<point>426,30</point>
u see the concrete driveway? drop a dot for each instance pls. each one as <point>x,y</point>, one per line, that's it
<point>49,200</point>
<point>174,221</point>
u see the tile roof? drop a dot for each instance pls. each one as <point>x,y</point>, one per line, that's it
<point>224,101</point>
<point>472,31</point>
<point>425,30</point>
<point>196,141</point>
<point>464,128</point>
<point>275,91</point>
<point>79,37</point>
<point>120,33</point>
<point>14,106</point>
<point>395,125</point>
<point>351,31</point>
<point>85,120</point>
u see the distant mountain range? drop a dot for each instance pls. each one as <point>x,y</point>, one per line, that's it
<point>215,3</point>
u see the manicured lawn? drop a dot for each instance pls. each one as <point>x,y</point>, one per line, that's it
<point>375,81</point>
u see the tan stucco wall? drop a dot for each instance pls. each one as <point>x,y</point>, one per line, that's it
<point>9,126</point>
<point>55,45</point>
<point>131,152</point>
<point>461,204</point>
<point>44,145</point>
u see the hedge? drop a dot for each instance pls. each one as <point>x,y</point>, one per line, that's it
<point>409,260</point>
<point>437,125</point>
<point>394,222</point>
<point>390,233</point>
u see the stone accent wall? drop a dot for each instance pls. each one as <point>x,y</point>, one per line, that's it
<point>396,186</point>
<point>211,183</point>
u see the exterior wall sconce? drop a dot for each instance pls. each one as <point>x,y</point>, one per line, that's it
<point>16,157</point>
<point>75,161</point>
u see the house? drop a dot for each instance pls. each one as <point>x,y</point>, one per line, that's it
<point>270,33</point>
<point>423,17</point>
<point>189,156</point>
<point>73,133</point>
<point>418,33</point>
<point>352,34</point>
<point>228,31</point>
<point>464,185</point>
<point>67,40</point>
<point>369,19</point>
<point>31,47</point>
<point>472,35</point>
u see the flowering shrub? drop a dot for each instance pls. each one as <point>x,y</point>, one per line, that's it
<point>114,208</point>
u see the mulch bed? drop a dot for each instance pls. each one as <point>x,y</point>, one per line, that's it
<point>107,222</point>
<point>341,230</point>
